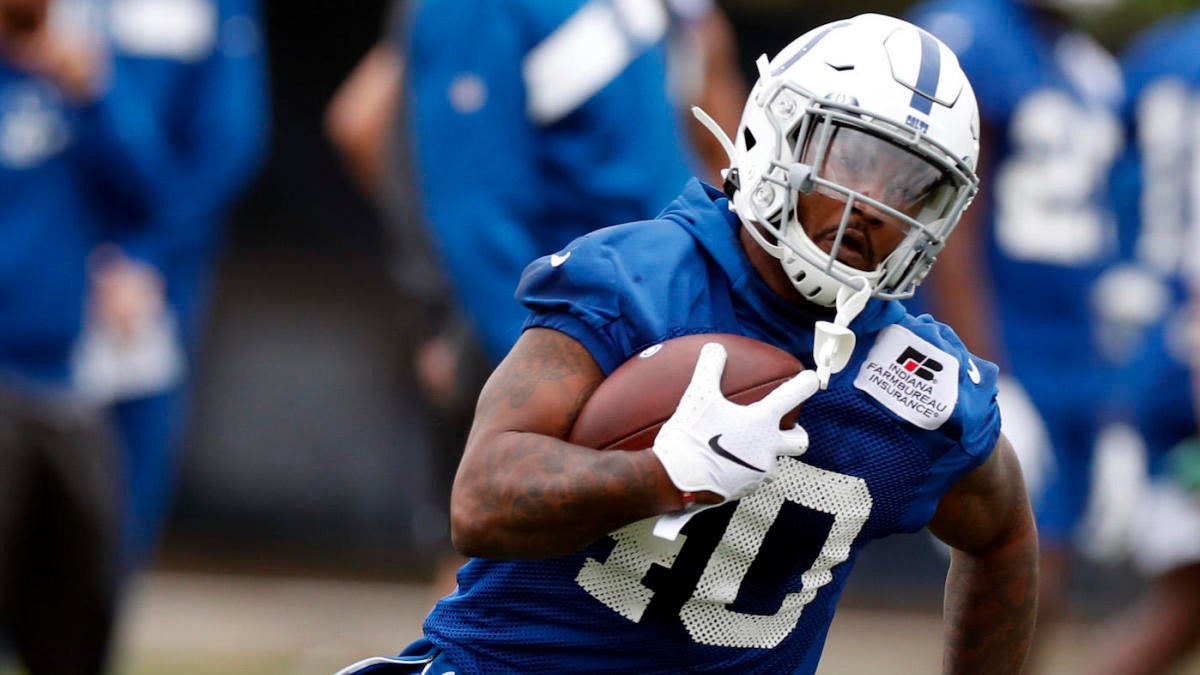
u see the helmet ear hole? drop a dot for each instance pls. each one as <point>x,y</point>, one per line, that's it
<point>749,137</point>
<point>733,182</point>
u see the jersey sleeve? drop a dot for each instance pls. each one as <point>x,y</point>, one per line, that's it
<point>523,140</point>
<point>969,435</point>
<point>620,289</point>
<point>575,291</point>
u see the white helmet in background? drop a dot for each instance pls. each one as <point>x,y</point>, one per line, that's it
<point>873,112</point>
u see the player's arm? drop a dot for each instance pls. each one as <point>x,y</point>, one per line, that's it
<point>521,490</point>
<point>991,588</point>
<point>360,115</point>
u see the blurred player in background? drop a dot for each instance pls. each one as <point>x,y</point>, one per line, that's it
<point>1158,182</point>
<point>199,134</point>
<point>61,140</point>
<point>524,113</point>
<point>440,355</point>
<point>1019,283</point>
<point>853,161</point>
<point>128,127</point>
<point>498,148</point>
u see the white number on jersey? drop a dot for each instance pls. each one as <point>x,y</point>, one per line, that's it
<point>1167,134</point>
<point>617,582</point>
<point>1047,206</point>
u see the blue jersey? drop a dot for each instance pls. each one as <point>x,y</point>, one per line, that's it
<point>201,131</point>
<point>750,586</point>
<point>150,165</point>
<point>51,222</point>
<point>532,122</point>
<point>1049,102</point>
<point>1159,202</point>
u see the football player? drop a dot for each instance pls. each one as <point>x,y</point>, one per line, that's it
<point>1158,185</point>
<point>1018,284</point>
<point>853,161</point>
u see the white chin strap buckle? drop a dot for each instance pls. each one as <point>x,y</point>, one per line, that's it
<point>833,343</point>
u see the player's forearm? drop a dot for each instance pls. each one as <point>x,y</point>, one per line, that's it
<point>991,606</point>
<point>539,497</point>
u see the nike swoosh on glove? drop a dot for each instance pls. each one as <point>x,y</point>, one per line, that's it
<point>712,444</point>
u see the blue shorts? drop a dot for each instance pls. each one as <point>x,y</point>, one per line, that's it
<point>419,658</point>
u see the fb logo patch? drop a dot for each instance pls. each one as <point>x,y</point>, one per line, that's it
<point>917,363</point>
<point>910,377</point>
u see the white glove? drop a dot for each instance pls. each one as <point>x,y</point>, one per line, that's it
<point>730,449</point>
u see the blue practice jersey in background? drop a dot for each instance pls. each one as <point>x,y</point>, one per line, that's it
<point>1049,103</point>
<point>531,125</point>
<point>1049,100</point>
<point>751,586</point>
<point>120,169</point>
<point>1155,184</point>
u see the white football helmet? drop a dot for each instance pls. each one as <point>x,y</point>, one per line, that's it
<point>871,111</point>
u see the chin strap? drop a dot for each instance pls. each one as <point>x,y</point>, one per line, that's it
<point>731,182</point>
<point>716,130</point>
<point>833,343</point>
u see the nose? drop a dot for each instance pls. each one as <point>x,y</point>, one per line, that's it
<point>866,215</point>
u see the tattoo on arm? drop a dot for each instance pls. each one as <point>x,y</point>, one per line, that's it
<point>532,493</point>
<point>545,358</point>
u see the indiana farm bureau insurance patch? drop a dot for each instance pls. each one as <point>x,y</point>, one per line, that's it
<point>910,377</point>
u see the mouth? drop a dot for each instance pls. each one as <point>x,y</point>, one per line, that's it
<point>855,249</point>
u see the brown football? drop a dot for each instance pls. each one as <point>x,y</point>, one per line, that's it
<point>630,405</point>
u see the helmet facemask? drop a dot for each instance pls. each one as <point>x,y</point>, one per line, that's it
<point>878,170</point>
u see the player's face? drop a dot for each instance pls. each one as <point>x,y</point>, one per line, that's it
<point>873,168</point>
<point>869,236</point>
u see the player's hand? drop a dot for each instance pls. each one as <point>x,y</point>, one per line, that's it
<point>74,65</point>
<point>711,444</point>
<point>126,294</point>
<point>437,364</point>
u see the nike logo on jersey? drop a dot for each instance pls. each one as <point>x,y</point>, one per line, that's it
<point>557,259</point>
<point>722,452</point>
<point>973,371</point>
